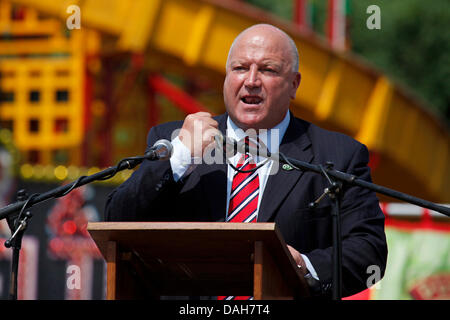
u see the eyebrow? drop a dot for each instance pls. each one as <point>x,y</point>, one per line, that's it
<point>266,62</point>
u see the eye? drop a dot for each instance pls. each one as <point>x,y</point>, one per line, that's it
<point>239,68</point>
<point>269,70</point>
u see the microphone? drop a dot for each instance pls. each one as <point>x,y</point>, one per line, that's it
<point>258,149</point>
<point>229,144</point>
<point>226,144</point>
<point>161,150</point>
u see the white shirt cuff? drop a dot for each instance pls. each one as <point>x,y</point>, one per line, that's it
<point>310,267</point>
<point>181,161</point>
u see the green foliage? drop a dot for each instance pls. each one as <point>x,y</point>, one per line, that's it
<point>412,46</point>
<point>282,8</point>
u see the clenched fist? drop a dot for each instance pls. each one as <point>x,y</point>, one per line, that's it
<point>198,132</point>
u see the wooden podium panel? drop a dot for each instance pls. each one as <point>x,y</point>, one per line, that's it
<point>150,259</point>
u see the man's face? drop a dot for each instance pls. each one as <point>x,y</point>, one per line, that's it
<point>259,82</point>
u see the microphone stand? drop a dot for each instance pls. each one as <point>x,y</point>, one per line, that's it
<point>336,179</point>
<point>15,242</point>
<point>18,222</point>
<point>334,192</point>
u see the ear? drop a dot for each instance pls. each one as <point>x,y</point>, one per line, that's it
<point>297,77</point>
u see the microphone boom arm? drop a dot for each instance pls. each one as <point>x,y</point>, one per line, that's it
<point>126,163</point>
<point>354,180</point>
<point>351,179</point>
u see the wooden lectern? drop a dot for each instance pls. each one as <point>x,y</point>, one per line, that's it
<point>146,260</point>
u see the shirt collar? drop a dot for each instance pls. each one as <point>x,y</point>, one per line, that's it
<point>270,137</point>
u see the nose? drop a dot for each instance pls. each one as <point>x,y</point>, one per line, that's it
<point>252,80</point>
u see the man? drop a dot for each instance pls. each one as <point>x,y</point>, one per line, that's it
<point>261,79</point>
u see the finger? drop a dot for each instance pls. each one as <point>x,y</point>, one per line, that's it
<point>211,125</point>
<point>210,133</point>
<point>209,121</point>
<point>206,118</point>
<point>199,116</point>
<point>202,114</point>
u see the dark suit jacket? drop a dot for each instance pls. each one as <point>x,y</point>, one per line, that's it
<point>151,194</point>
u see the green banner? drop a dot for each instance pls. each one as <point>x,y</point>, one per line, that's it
<point>418,266</point>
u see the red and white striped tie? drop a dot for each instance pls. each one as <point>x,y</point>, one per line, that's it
<point>243,206</point>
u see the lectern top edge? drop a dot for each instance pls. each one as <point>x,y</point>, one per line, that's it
<point>117,226</point>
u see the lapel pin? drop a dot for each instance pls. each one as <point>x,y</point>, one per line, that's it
<point>287,167</point>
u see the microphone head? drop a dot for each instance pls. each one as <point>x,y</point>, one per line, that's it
<point>219,141</point>
<point>163,148</point>
<point>227,145</point>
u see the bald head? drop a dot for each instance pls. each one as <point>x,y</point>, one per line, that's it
<point>261,77</point>
<point>264,29</point>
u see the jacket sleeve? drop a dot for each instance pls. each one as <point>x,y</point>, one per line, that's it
<point>146,195</point>
<point>362,234</point>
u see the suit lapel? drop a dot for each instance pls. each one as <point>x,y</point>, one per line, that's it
<point>295,144</point>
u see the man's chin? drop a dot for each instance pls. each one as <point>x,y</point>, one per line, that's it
<point>250,122</point>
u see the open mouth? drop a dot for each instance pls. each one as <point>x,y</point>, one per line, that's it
<point>251,100</point>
